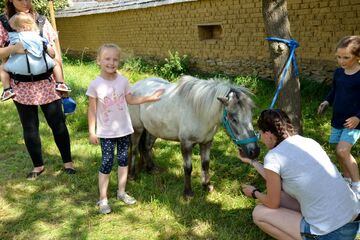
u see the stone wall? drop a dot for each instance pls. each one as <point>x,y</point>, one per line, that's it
<point>226,35</point>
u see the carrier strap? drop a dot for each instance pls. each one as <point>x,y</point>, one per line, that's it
<point>31,78</point>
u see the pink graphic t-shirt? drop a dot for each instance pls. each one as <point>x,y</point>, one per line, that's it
<point>112,114</point>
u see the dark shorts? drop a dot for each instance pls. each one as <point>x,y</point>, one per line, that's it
<point>346,232</point>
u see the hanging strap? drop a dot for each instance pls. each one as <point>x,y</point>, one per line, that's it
<point>292,44</point>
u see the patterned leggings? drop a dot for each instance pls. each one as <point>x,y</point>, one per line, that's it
<point>107,149</point>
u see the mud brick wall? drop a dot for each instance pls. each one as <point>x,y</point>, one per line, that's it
<point>226,35</point>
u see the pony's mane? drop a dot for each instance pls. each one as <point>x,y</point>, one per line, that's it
<point>202,94</point>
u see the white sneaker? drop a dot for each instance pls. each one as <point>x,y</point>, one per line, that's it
<point>127,199</point>
<point>104,207</point>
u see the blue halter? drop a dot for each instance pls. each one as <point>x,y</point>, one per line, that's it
<point>232,135</point>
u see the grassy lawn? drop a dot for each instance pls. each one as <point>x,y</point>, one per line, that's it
<point>58,206</point>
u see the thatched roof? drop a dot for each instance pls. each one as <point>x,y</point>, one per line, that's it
<point>88,7</point>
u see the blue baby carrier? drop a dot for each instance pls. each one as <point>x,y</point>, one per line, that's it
<point>31,66</point>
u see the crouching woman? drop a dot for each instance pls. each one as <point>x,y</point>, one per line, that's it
<point>306,196</point>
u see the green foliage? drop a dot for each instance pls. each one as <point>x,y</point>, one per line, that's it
<point>136,64</point>
<point>173,67</point>
<point>42,5</point>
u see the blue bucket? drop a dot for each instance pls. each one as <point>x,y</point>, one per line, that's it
<point>69,105</point>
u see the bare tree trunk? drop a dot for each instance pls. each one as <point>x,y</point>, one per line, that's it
<point>277,25</point>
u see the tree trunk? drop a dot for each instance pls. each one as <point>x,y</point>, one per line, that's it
<point>277,25</point>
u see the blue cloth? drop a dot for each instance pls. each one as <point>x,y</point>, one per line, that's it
<point>345,135</point>
<point>33,43</point>
<point>346,232</point>
<point>344,97</point>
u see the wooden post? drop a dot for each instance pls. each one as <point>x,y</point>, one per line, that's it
<point>53,23</point>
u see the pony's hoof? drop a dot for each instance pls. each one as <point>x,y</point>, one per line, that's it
<point>208,187</point>
<point>188,195</point>
<point>154,170</point>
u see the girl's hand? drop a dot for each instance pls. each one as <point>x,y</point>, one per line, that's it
<point>243,158</point>
<point>247,189</point>
<point>157,94</point>
<point>93,139</point>
<point>351,122</point>
<point>322,107</point>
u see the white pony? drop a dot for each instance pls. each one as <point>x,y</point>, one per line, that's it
<point>190,112</point>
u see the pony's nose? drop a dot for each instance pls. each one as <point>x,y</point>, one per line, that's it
<point>254,153</point>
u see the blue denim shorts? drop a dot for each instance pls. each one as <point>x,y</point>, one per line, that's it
<point>346,232</point>
<point>345,135</point>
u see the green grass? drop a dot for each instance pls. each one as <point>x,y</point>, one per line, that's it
<point>58,206</point>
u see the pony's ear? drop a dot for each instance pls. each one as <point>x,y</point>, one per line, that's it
<point>224,100</point>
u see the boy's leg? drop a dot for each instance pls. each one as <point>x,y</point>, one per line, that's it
<point>59,78</point>
<point>5,77</point>
<point>280,223</point>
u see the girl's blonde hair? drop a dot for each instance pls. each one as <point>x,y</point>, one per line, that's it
<point>108,46</point>
<point>351,42</point>
<point>23,21</point>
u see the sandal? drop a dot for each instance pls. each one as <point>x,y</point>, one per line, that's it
<point>62,87</point>
<point>69,171</point>
<point>7,94</point>
<point>33,175</point>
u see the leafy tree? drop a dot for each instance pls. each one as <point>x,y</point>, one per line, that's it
<point>277,25</point>
<point>42,5</point>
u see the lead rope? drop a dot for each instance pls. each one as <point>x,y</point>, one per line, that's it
<point>292,44</point>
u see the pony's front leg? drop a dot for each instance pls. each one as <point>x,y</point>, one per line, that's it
<point>205,162</point>
<point>186,151</point>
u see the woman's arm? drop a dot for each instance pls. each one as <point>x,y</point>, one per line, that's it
<point>51,51</point>
<point>257,165</point>
<point>273,186</point>
<point>92,121</point>
<point>11,49</point>
<point>130,99</point>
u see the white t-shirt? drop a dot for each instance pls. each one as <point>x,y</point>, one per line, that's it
<point>309,176</point>
<point>112,114</point>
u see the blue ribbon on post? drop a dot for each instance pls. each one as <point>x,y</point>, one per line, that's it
<point>292,44</point>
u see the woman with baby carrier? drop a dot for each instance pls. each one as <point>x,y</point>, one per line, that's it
<point>32,92</point>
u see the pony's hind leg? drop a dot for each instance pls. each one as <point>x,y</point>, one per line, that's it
<point>134,149</point>
<point>205,162</point>
<point>186,151</point>
<point>147,152</point>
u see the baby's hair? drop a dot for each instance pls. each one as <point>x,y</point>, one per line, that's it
<point>107,46</point>
<point>23,20</point>
<point>351,42</point>
<point>277,122</point>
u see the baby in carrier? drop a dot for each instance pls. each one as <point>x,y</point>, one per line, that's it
<point>35,64</point>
